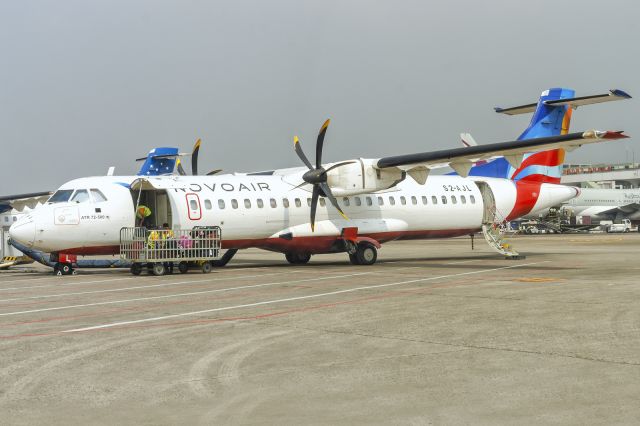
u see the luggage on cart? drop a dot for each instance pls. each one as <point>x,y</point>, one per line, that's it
<point>161,249</point>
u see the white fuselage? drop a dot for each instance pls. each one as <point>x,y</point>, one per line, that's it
<point>268,212</point>
<point>595,202</point>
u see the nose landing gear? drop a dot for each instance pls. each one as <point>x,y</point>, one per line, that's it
<point>64,268</point>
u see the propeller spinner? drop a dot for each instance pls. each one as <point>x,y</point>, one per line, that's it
<point>317,176</point>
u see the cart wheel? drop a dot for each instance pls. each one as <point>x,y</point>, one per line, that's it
<point>158,269</point>
<point>206,267</point>
<point>183,267</point>
<point>136,269</point>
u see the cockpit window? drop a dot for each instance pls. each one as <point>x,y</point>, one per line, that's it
<point>61,196</point>
<point>98,196</point>
<point>80,196</point>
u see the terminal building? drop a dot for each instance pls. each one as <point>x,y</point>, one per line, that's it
<point>604,176</point>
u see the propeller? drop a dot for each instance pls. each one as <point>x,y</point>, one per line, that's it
<point>317,176</point>
<point>194,162</point>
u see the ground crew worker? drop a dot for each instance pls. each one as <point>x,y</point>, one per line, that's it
<point>142,212</point>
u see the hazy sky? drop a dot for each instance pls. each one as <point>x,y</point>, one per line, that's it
<point>88,84</point>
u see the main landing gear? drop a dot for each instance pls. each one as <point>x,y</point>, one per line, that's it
<point>63,268</point>
<point>298,258</point>
<point>365,254</point>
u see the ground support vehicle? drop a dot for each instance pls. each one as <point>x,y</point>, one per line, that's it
<point>160,250</point>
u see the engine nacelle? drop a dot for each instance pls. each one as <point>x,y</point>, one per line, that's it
<point>362,177</point>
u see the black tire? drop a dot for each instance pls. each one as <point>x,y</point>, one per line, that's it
<point>136,269</point>
<point>158,269</point>
<point>206,267</point>
<point>353,258</point>
<point>66,269</point>
<point>183,267</point>
<point>297,258</point>
<point>367,254</point>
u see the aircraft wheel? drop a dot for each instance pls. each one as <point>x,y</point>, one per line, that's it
<point>65,268</point>
<point>206,267</point>
<point>367,254</point>
<point>353,259</point>
<point>136,269</point>
<point>158,269</point>
<point>297,258</point>
<point>183,267</point>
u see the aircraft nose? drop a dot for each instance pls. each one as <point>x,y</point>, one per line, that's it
<point>24,232</point>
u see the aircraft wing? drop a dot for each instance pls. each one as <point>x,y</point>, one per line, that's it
<point>625,209</point>
<point>19,201</point>
<point>461,159</point>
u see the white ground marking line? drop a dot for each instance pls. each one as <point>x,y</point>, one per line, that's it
<point>464,261</point>
<point>290,299</point>
<point>228,269</point>
<point>110,290</point>
<point>63,285</point>
<point>167,296</point>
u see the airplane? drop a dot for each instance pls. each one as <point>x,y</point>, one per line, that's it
<point>551,117</point>
<point>351,206</point>
<point>605,204</point>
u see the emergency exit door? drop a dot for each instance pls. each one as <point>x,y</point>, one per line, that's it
<point>193,206</point>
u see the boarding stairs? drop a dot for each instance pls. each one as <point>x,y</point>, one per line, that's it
<point>494,224</point>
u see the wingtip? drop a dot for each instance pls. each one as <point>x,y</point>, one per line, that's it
<point>620,93</point>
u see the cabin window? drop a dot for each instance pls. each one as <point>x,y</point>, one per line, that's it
<point>323,202</point>
<point>434,199</point>
<point>273,203</point>
<point>358,201</point>
<point>80,196</point>
<point>308,202</point>
<point>247,203</point>
<point>414,200</point>
<point>346,202</point>
<point>463,199</point>
<point>380,201</point>
<point>472,199</point>
<point>207,204</point>
<point>369,201</point>
<point>444,199</point>
<point>234,203</point>
<point>193,204</point>
<point>260,203</point>
<point>285,203</point>
<point>6,218</point>
<point>454,200</point>
<point>98,196</point>
<point>298,203</point>
<point>403,201</point>
<point>392,201</point>
<point>221,204</point>
<point>61,196</point>
<point>424,200</point>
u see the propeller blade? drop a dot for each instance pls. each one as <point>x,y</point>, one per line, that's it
<point>181,171</point>
<point>335,166</point>
<point>327,191</point>
<point>320,143</point>
<point>314,205</point>
<point>300,186</point>
<point>298,149</point>
<point>194,158</point>
<point>213,172</point>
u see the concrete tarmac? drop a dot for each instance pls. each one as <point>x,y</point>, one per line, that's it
<point>434,333</point>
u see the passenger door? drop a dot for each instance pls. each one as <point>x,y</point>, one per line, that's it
<point>194,210</point>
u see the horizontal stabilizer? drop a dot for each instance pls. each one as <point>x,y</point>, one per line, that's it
<point>613,95</point>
